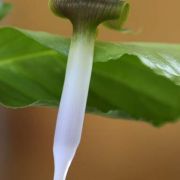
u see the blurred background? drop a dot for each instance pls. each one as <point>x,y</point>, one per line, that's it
<point>110,149</point>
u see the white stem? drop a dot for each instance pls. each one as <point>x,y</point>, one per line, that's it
<point>73,103</point>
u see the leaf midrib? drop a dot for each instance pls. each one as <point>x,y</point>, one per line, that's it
<point>27,56</point>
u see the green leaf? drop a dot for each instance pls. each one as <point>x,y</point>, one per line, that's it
<point>5,8</point>
<point>134,80</point>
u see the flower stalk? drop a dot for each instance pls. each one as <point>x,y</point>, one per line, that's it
<point>85,16</point>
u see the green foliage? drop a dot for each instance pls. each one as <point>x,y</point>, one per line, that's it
<point>5,8</point>
<point>134,80</point>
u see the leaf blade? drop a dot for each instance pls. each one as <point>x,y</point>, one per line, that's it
<point>135,80</point>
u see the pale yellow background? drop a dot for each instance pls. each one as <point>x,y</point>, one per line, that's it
<point>110,149</point>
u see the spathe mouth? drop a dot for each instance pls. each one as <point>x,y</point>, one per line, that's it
<point>95,11</point>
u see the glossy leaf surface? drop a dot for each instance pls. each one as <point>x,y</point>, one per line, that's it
<point>134,80</point>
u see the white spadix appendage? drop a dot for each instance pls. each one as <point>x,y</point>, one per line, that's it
<point>73,103</point>
<point>85,16</point>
